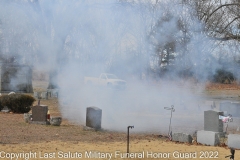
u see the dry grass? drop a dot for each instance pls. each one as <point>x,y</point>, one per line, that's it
<point>17,136</point>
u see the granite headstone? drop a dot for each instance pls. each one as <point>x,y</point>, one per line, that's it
<point>212,121</point>
<point>208,138</point>
<point>233,141</point>
<point>37,95</point>
<point>94,117</point>
<point>39,114</point>
<point>44,95</point>
<point>182,137</point>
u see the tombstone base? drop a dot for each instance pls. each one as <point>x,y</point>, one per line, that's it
<point>86,128</point>
<point>27,117</point>
<point>182,137</point>
<point>233,141</point>
<point>55,121</point>
<point>37,95</point>
<point>209,137</point>
<point>40,122</point>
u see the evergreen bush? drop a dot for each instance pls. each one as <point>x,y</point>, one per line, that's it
<point>17,103</point>
<point>223,76</point>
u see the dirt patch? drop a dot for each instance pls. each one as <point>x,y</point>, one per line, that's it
<point>220,86</point>
<point>140,149</point>
<point>14,130</point>
<point>54,142</point>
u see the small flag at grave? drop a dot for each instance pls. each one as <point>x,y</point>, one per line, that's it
<point>226,119</point>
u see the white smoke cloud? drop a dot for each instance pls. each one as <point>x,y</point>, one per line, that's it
<point>86,38</point>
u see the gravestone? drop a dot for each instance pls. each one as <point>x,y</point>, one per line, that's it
<point>27,117</point>
<point>55,121</point>
<point>52,93</point>
<point>213,129</point>
<point>212,121</point>
<point>37,95</point>
<point>39,114</point>
<point>5,109</point>
<point>182,137</point>
<point>55,93</point>
<point>94,117</point>
<point>208,138</point>
<point>44,95</point>
<point>233,141</point>
<point>232,108</point>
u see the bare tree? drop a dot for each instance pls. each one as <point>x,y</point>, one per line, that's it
<point>221,18</point>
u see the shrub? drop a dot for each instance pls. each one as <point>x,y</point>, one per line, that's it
<point>1,106</point>
<point>17,103</point>
<point>223,76</point>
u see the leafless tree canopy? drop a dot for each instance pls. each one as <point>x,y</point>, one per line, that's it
<point>174,30</point>
<point>221,18</point>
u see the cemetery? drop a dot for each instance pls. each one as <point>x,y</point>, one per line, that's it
<point>219,119</point>
<point>213,133</point>
<point>169,88</point>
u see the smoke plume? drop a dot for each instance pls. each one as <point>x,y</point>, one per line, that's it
<point>86,38</point>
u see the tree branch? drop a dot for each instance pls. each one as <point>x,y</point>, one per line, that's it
<point>224,5</point>
<point>227,38</point>
<point>230,23</point>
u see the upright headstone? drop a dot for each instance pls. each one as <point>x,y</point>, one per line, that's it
<point>52,93</point>
<point>213,129</point>
<point>44,95</point>
<point>55,93</point>
<point>39,114</point>
<point>94,117</point>
<point>37,95</point>
<point>212,121</point>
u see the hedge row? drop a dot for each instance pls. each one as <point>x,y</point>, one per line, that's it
<point>17,103</point>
